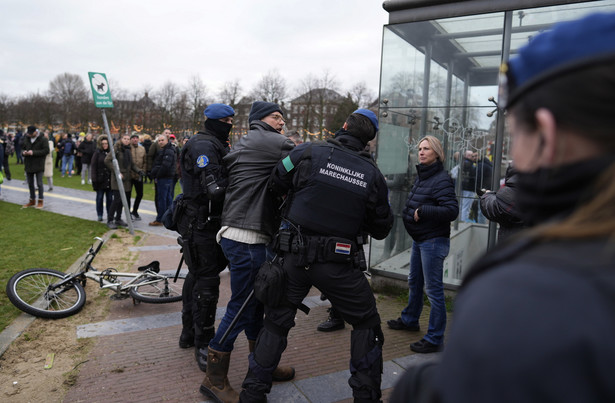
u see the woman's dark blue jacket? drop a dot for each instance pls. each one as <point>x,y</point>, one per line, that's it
<point>433,193</point>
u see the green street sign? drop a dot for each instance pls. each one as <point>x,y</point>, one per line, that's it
<point>100,90</point>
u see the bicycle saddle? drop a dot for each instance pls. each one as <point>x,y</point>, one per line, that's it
<point>153,266</point>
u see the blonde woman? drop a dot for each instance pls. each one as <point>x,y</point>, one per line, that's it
<point>429,210</point>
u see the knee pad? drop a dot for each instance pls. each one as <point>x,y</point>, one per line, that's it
<point>267,352</point>
<point>366,348</point>
<point>204,308</point>
<point>366,362</point>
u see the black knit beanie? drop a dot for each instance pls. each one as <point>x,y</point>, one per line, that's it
<point>260,109</point>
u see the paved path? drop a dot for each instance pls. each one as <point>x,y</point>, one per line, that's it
<point>79,203</point>
<point>136,356</point>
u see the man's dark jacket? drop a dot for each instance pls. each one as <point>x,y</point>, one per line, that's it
<point>248,204</point>
<point>36,162</point>
<point>165,163</point>
<point>468,170</point>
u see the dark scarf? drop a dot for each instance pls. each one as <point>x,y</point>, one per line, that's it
<point>349,141</point>
<point>551,193</point>
<point>218,129</point>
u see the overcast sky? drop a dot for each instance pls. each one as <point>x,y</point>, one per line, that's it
<point>140,44</point>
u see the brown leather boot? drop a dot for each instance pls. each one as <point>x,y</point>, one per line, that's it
<point>40,203</point>
<point>30,204</point>
<point>216,385</point>
<point>281,373</point>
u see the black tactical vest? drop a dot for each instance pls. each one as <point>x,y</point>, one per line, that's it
<point>201,144</point>
<point>334,197</point>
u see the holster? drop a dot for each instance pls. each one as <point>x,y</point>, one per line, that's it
<point>270,283</point>
<point>189,253</point>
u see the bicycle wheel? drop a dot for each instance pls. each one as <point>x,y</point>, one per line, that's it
<point>33,291</point>
<point>158,289</point>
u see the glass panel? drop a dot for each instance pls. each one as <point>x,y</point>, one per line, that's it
<point>401,81</point>
<point>452,97</point>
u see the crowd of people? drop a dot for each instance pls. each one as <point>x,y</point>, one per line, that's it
<point>85,154</point>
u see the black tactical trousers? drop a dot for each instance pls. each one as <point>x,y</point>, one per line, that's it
<point>350,293</point>
<point>205,261</point>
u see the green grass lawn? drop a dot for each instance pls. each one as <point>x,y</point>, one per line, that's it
<point>74,182</point>
<point>32,238</point>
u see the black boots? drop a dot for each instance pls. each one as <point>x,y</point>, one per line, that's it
<point>186,338</point>
<point>334,322</point>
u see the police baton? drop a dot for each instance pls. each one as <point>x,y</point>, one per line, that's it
<point>179,267</point>
<point>236,318</point>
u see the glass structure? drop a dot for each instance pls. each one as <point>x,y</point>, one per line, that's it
<point>439,76</point>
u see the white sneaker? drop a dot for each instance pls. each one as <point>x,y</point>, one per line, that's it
<point>82,182</point>
<point>89,181</point>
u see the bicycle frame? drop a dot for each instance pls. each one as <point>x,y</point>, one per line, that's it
<point>86,270</point>
<point>121,288</point>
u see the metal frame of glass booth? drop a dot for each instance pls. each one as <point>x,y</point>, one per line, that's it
<point>439,75</point>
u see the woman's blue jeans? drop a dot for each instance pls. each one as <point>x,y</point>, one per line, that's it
<point>103,196</point>
<point>426,263</point>
<point>244,262</point>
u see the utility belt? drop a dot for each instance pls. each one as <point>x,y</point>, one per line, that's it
<point>320,249</point>
<point>200,212</point>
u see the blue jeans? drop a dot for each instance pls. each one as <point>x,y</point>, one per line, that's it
<point>426,263</point>
<point>466,204</point>
<point>103,196</point>
<point>39,183</point>
<point>164,190</point>
<point>67,160</point>
<point>244,262</point>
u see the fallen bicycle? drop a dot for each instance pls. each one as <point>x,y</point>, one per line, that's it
<point>51,294</point>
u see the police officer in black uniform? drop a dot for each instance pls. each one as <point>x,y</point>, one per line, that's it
<point>335,197</point>
<point>204,182</point>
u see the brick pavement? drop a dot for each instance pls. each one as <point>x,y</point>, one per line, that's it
<point>148,365</point>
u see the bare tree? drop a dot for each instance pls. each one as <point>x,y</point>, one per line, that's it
<point>270,88</point>
<point>165,99</point>
<point>325,97</point>
<point>328,81</point>
<point>69,91</point>
<point>33,109</point>
<point>361,95</point>
<point>316,103</point>
<point>124,109</point>
<point>196,93</point>
<point>231,93</point>
<point>68,87</point>
<point>6,106</point>
<point>182,112</point>
<point>304,111</point>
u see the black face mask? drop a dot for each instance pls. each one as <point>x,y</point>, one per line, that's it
<point>549,193</point>
<point>221,130</point>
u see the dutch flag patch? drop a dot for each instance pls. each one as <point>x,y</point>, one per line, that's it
<point>342,248</point>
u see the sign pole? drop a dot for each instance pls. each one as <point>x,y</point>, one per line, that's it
<point>102,99</point>
<point>118,177</point>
